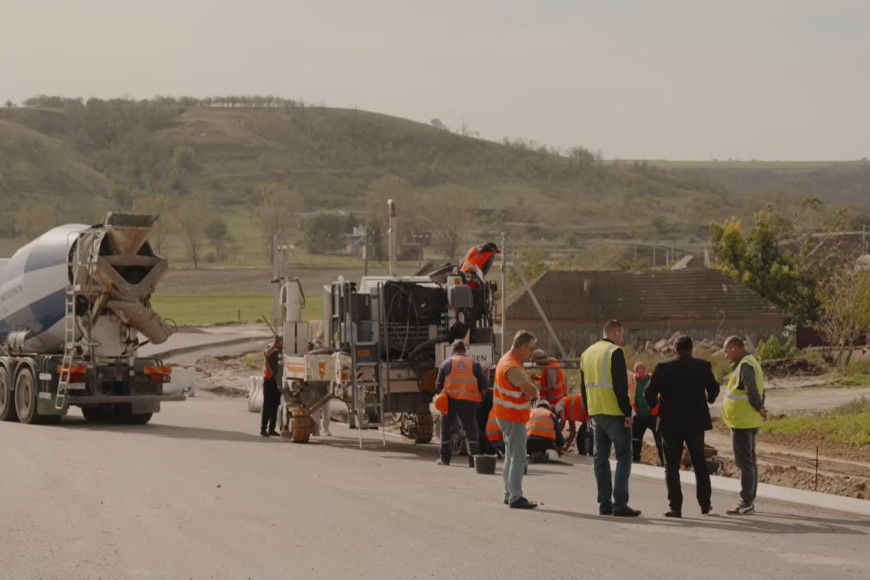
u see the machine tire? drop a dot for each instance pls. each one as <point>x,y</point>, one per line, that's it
<point>7,398</point>
<point>299,425</point>
<point>425,428</point>
<point>25,396</point>
<point>140,418</point>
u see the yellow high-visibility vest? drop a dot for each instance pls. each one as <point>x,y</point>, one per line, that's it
<point>595,362</point>
<point>737,413</point>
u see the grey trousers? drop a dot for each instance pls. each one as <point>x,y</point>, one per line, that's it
<point>743,441</point>
<point>514,458</point>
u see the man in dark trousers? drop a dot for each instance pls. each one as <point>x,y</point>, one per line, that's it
<point>272,374</point>
<point>683,386</point>
<point>462,378</point>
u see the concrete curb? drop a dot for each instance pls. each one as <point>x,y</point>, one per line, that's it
<point>765,490</point>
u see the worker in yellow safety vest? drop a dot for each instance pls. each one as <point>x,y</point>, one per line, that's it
<point>462,379</point>
<point>743,412</point>
<point>604,386</point>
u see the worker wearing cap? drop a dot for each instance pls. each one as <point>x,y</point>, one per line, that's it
<point>542,432</point>
<point>462,379</point>
<point>477,263</point>
<point>604,386</point>
<point>551,382</point>
<point>272,374</point>
<point>512,397</point>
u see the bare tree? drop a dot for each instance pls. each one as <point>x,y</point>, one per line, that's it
<point>451,209</point>
<point>845,312</point>
<point>161,205</point>
<point>192,216</point>
<point>276,211</point>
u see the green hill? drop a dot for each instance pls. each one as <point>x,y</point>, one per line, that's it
<point>227,149</point>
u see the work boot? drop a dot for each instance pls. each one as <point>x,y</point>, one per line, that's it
<point>706,509</point>
<point>263,433</point>
<point>273,433</point>
<point>522,504</point>
<point>673,514</point>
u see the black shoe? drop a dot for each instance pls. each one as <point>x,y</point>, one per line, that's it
<point>605,511</point>
<point>673,514</point>
<point>274,433</point>
<point>523,504</point>
<point>706,509</point>
<point>263,433</point>
<point>505,501</point>
<point>626,512</point>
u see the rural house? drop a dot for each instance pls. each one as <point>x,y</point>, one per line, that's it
<point>651,305</point>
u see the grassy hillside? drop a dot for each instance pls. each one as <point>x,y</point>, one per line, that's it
<point>114,151</point>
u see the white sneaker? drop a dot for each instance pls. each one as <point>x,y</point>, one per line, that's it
<point>741,509</point>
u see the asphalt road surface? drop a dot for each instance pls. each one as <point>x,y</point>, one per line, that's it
<point>198,494</point>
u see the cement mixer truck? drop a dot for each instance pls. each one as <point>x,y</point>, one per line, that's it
<point>74,310</point>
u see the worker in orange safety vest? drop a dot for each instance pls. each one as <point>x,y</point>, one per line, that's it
<point>551,381</point>
<point>462,379</point>
<point>571,410</point>
<point>477,263</point>
<point>493,433</point>
<point>543,433</point>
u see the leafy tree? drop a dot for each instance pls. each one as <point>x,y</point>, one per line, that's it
<point>276,211</point>
<point>325,232</point>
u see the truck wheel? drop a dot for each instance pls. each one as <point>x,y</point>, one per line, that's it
<point>7,399</point>
<point>299,425</point>
<point>25,396</point>
<point>140,418</point>
<point>425,428</point>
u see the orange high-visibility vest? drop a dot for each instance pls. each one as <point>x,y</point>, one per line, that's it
<point>460,382</point>
<point>267,372</point>
<point>493,433</point>
<point>560,390</point>
<point>475,261</point>
<point>575,410</point>
<point>541,424</point>
<point>508,401</point>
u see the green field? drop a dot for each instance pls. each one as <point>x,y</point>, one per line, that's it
<point>204,309</point>
<point>848,424</point>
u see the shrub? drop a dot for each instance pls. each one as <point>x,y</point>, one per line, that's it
<point>771,349</point>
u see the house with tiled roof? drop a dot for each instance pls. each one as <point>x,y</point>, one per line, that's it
<point>651,305</point>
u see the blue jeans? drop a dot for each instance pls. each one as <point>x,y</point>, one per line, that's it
<point>514,458</point>
<point>610,430</point>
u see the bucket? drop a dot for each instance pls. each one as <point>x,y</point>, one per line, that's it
<point>484,464</point>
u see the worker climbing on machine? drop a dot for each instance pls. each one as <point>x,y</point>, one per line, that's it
<point>551,379</point>
<point>543,432</point>
<point>462,379</point>
<point>272,373</point>
<point>477,263</point>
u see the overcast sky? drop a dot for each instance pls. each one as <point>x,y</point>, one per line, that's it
<point>742,79</point>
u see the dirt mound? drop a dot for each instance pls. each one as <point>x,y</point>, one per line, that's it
<point>790,367</point>
<point>808,441</point>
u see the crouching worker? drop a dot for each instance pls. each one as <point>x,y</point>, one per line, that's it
<point>462,379</point>
<point>543,433</point>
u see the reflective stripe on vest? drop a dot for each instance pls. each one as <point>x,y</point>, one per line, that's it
<point>574,408</point>
<point>508,401</point>
<point>737,413</point>
<point>595,364</point>
<point>460,382</point>
<point>559,390</point>
<point>493,433</point>
<point>540,424</point>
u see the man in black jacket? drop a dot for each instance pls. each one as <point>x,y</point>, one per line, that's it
<point>684,386</point>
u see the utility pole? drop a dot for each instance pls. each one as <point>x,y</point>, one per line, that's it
<point>276,280</point>
<point>503,292</point>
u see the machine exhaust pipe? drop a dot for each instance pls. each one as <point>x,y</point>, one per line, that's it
<point>394,225</point>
